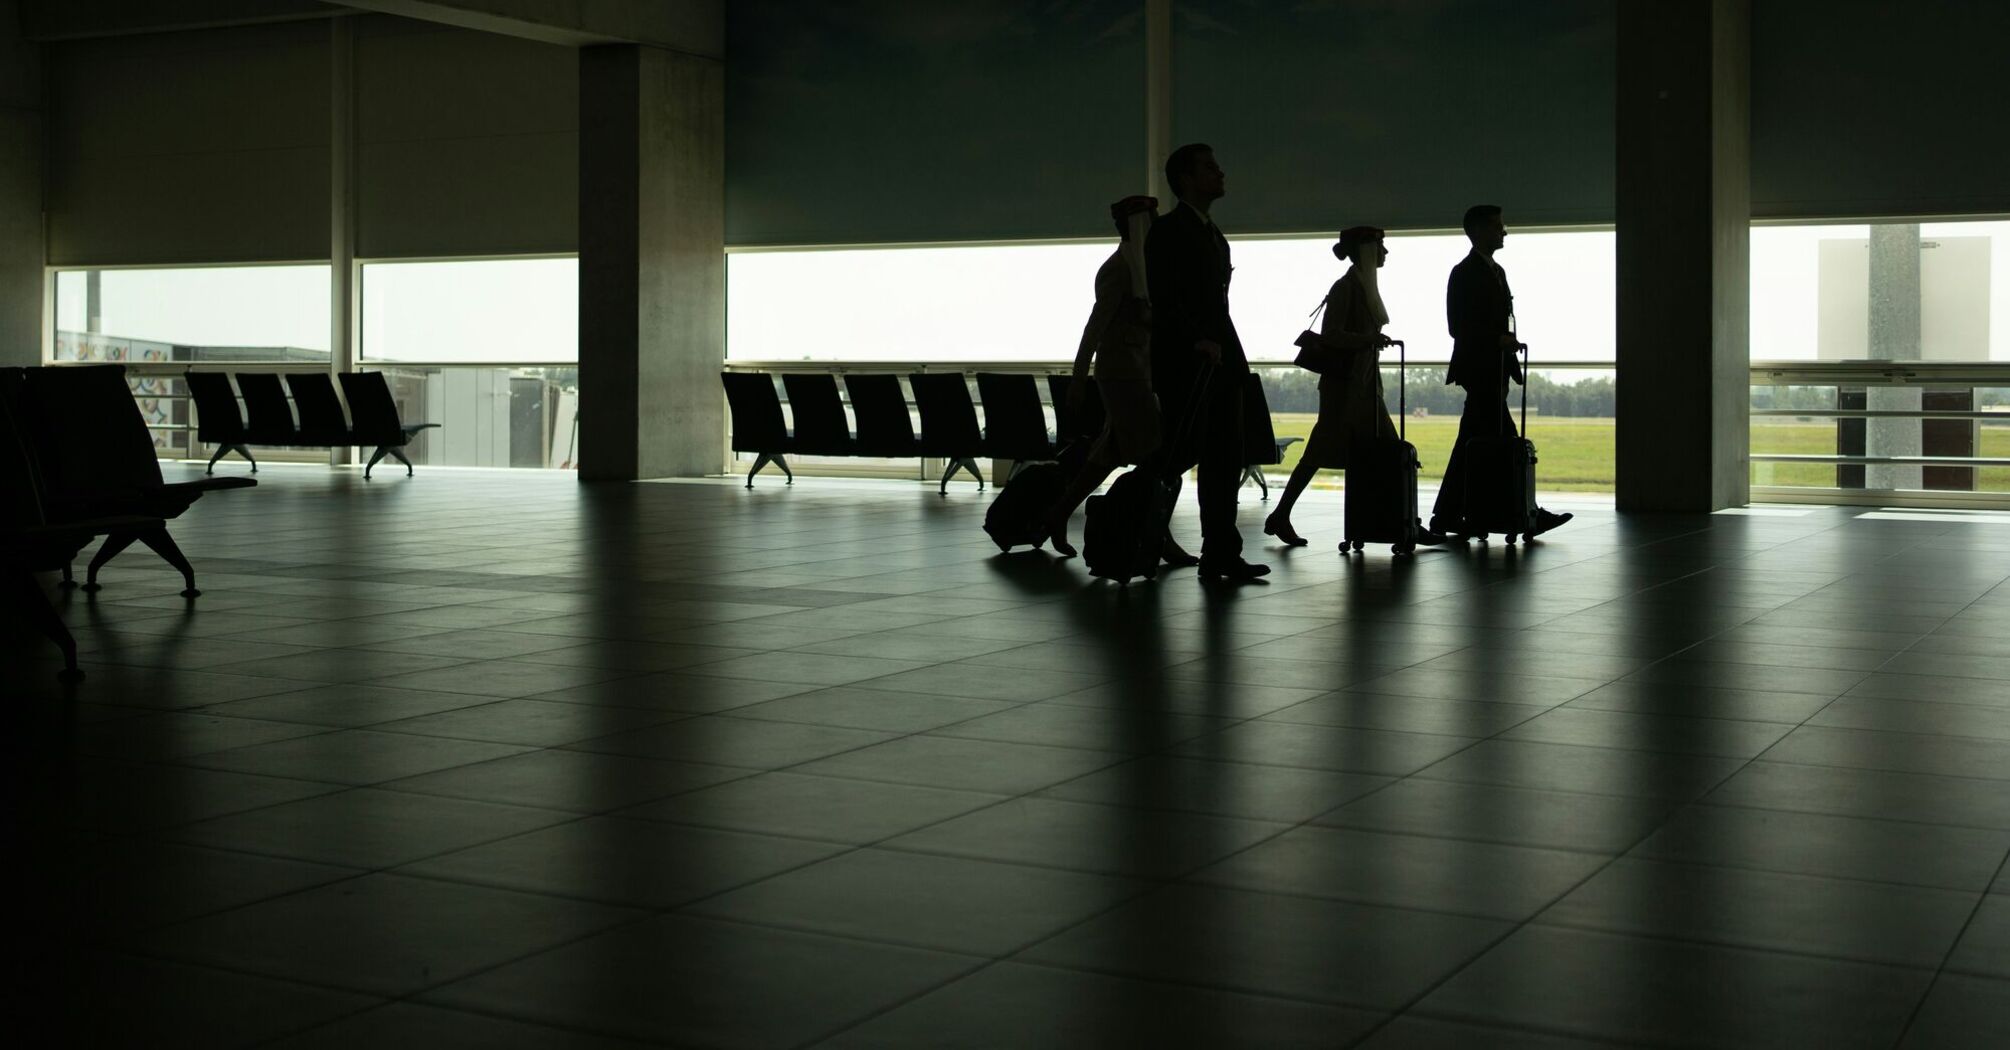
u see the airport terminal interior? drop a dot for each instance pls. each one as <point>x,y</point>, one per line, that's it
<point>452,663</point>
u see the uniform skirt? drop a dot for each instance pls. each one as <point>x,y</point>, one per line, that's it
<point>1351,414</point>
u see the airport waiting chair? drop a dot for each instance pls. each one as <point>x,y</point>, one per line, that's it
<point>817,412</point>
<point>1071,426</point>
<point>879,408</point>
<point>268,414</point>
<point>1261,447</point>
<point>948,423</point>
<point>758,426</point>
<point>95,459</point>
<point>219,420</point>
<point>30,543</point>
<point>322,421</point>
<point>374,419</point>
<point>1015,423</point>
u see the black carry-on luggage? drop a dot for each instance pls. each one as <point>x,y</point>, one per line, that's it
<point>1500,474</point>
<point>1381,498</point>
<point>1125,528</point>
<point>1018,516</point>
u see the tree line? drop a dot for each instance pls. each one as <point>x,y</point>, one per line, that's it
<point>1295,390</point>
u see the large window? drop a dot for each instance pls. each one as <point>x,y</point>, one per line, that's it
<point>487,310</point>
<point>1887,371</point>
<point>159,321</point>
<point>1028,302</point>
<point>1025,304</point>
<point>487,348</point>
<point>1902,291</point>
<point>217,314</point>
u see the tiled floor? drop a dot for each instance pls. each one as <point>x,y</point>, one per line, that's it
<point>494,760</point>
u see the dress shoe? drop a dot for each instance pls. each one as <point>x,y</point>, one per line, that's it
<point>1546,520</point>
<point>1283,531</point>
<point>1176,557</point>
<point>1430,538</point>
<point>1237,571</point>
<point>1058,539</point>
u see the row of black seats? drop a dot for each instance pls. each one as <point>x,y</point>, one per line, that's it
<point>1014,427</point>
<point>267,416</point>
<point>78,462</point>
<point>1015,423</point>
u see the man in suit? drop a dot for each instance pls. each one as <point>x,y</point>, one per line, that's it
<point>1187,269</point>
<point>1479,309</point>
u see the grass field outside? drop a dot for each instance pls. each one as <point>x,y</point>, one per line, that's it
<point>1576,455</point>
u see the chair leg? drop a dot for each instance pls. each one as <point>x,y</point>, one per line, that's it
<point>114,543</point>
<point>765,458</point>
<point>221,450</point>
<point>164,545</point>
<point>971,466</point>
<point>68,580</point>
<point>374,457</point>
<point>29,596</point>
<point>399,455</point>
<point>1255,474</point>
<point>952,465</point>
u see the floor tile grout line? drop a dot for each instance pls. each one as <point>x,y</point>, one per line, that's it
<point>1494,581</point>
<point>1954,945</point>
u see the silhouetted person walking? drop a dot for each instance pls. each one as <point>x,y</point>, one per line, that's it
<point>1353,413</point>
<point>1479,310</point>
<point>1116,345</point>
<point>1187,265</point>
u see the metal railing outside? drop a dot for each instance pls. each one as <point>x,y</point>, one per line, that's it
<point>1907,433</point>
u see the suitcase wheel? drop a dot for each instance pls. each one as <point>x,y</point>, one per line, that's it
<point>1510,539</point>
<point>1358,545</point>
<point>1406,548</point>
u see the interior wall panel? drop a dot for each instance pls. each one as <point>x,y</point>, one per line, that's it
<point>1400,114</point>
<point>864,121</point>
<point>467,142</point>
<point>192,147</point>
<point>1876,108</point>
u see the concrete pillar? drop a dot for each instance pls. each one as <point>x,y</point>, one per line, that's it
<point>652,263</point>
<point>342,298</point>
<point>1684,254</point>
<point>1894,336</point>
<point>21,241</point>
<point>1158,99</point>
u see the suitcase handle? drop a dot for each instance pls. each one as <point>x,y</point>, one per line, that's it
<point>1523,348</point>
<point>1402,390</point>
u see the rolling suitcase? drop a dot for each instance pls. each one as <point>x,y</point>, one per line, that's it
<point>1500,474</point>
<point>1018,516</point>
<point>1381,498</point>
<point>1125,528</point>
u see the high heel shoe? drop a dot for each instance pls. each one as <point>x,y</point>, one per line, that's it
<point>1272,527</point>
